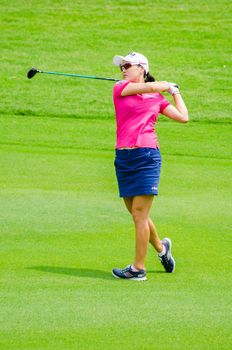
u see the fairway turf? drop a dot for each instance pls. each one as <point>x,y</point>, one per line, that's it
<point>63,227</point>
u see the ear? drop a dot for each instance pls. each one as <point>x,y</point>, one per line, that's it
<point>142,70</point>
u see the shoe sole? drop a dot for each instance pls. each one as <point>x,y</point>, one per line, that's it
<point>170,246</point>
<point>132,278</point>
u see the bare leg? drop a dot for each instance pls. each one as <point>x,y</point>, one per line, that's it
<point>154,238</point>
<point>141,206</point>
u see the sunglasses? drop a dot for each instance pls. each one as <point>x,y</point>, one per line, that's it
<point>127,66</point>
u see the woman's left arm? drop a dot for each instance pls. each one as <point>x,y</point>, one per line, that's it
<point>178,112</point>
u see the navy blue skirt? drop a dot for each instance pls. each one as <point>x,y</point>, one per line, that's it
<point>137,171</point>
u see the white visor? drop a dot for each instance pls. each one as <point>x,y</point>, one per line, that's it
<point>134,58</point>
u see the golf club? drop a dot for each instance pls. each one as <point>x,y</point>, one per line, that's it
<point>33,71</point>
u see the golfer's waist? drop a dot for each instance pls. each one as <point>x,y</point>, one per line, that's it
<point>136,147</point>
<point>121,148</point>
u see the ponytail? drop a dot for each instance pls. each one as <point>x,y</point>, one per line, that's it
<point>148,77</point>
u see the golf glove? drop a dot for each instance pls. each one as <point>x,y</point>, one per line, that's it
<point>173,89</point>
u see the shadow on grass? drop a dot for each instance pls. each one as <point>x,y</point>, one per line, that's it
<point>90,273</point>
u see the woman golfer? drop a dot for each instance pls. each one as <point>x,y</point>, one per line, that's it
<point>138,101</point>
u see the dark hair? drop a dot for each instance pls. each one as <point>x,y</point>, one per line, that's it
<point>148,77</point>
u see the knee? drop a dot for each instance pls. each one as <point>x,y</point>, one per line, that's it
<point>138,214</point>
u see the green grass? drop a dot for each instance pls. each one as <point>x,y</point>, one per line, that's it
<point>63,227</point>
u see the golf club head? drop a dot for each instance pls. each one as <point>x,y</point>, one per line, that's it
<point>32,72</point>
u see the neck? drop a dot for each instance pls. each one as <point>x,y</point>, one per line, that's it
<point>140,80</point>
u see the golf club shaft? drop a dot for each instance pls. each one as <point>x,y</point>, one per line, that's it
<point>78,75</point>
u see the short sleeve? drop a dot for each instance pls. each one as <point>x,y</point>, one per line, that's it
<point>163,103</point>
<point>119,86</point>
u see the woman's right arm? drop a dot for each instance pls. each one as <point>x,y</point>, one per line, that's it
<point>179,112</point>
<point>142,88</point>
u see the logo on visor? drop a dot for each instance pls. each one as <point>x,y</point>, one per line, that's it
<point>132,54</point>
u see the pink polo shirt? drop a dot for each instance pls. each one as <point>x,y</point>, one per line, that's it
<point>136,116</point>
